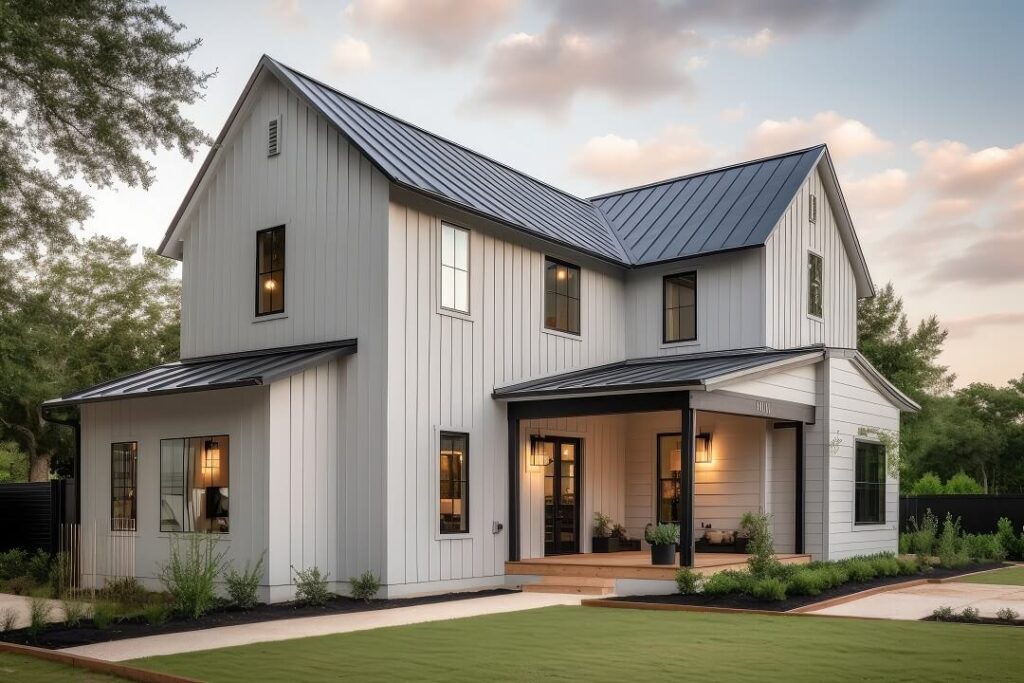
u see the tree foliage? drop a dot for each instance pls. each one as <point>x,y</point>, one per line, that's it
<point>85,87</point>
<point>74,317</point>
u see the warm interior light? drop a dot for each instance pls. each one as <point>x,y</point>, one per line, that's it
<point>211,463</point>
<point>561,273</point>
<point>675,460</point>
<point>538,452</point>
<point>270,285</point>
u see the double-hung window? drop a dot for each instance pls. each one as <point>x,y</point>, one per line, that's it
<point>270,271</point>
<point>869,483</point>
<point>561,296</point>
<point>454,478</point>
<point>454,268</point>
<point>679,297</point>
<point>194,484</point>
<point>124,458</point>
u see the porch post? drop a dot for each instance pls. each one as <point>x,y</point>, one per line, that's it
<point>798,546</point>
<point>686,478</point>
<point>513,484</point>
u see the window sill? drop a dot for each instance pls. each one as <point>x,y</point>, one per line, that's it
<point>438,536</point>
<point>815,318</point>
<point>560,333</point>
<point>458,315</point>
<point>872,526</point>
<point>269,318</point>
<point>679,344</point>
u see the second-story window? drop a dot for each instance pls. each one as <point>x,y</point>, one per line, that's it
<point>454,268</point>
<point>680,302</point>
<point>815,296</point>
<point>270,271</point>
<point>561,296</point>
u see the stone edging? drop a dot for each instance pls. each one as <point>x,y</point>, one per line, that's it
<point>98,665</point>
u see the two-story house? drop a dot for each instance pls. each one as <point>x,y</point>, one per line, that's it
<point>402,356</point>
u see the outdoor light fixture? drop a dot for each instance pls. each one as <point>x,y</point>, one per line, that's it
<point>539,456</point>
<point>211,462</point>
<point>702,449</point>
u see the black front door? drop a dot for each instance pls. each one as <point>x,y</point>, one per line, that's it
<point>562,495</point>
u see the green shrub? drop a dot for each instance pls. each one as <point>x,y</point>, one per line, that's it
<point>810,581</point>
<point>1012,544</point>
<point>944,613</point>
<point>906,543</point>
<point>950,546</point>
<point>38,566</point>
<point>721,583</point>
<point>311,586</point>
<point>859,569</point>
<point>74,612</point>
<point>908,566</point>
<point>784,572</point>
<point>61,571</point>
<point>922,536</point>
<point>191,572</point>
<point>687,581</point>
<point>244,586</point>
<point>962,483</point>
<point>769,589</point>
<point>758,527</point>
<point>38,616</point>
<point>1007,614</point>
<point>969,614</point>
<point>602,525</point>
<point>981,547</point>
<point>885,565</point>
<point>13,563</point>
<point>156,614</point>
<point>662,534</point>
<point>125,591</point>
<point>103,614</point>
<point>365,586</point>
<point>20,585</point>
<point>928,485</point>
<point>8,619</point>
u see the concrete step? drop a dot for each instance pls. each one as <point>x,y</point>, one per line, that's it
<point>582,585</point>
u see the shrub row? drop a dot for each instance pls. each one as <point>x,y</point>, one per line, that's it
<point>953,547</point>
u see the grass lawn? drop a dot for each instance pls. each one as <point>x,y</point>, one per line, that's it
<point>31,670</point>
<point>1011,576</point>
<point>582,643</point>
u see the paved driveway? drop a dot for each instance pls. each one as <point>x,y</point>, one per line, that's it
<point>917,602</point>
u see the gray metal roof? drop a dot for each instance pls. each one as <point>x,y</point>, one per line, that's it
<point>652,373</point>
<point>719,210</point>
<point>212,372</point>
<point>425,162</point>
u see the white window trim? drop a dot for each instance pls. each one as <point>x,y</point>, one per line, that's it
<point>889,482</point>
<point>544,329</point>
<point>435,485</point>
<point>807,286</point>
<point>439,308</point>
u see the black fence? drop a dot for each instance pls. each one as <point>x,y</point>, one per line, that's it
<point>978,513</point>
<point>31,514</point>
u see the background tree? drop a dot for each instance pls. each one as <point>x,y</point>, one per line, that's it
<point>85,86</point>
<point>81,315</point>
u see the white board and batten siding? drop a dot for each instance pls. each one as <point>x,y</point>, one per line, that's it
<point>442,368</point>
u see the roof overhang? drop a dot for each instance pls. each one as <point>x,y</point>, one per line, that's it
<point>830,181</point>
<point>877,380</point>
<point>208,373</point>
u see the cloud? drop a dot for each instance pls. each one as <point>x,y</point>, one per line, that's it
<point>443,30</point>
<point>733,114</point>
<point>350,54</point>
<point>624,161</point>
<point>287,13</point>
<point>887,189</point>
<point>756,44</point>
<point>995,257</point>
<point>846,138</point>
<point>953,169</point>
<point>960,328</point>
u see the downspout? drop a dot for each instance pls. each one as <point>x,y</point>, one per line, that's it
<point>75,422</point>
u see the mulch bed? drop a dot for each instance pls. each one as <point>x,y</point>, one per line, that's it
<point>58,636</point>
<point>982,620</point>
<point>741,601</point>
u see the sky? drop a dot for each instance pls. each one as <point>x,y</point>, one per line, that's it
<point>920,103</point>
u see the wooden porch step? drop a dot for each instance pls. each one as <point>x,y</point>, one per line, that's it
<point>573,585</point>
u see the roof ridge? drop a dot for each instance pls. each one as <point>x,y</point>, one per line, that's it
<point>709,171</point>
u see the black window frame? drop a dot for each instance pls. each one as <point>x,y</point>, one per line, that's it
<point>664,307</point>
<point>274,232</point>
<point>133,473</point>
<point>861,517</point>
<point>463,482</point>
<point>811,256</point>
<point>674,481</point>
<point>568,329</point>
<point>187,487</point>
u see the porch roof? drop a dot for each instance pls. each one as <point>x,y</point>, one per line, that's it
<point>250,368</point>
<point>658,374</point>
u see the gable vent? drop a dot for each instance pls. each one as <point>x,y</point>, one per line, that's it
<point>812,209</point>
<point>273,146</point>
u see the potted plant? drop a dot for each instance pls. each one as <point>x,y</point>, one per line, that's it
<point>663,539</point>
<point>603,541</point>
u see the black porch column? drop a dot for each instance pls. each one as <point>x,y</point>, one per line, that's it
<point>798,546</point>
<point>513,484</point>
<point>686,477</point>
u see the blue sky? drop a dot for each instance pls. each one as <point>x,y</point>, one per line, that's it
<point>919,101</point>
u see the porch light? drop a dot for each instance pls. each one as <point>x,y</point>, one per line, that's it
<point>211,463</point>
<point>702,450</point>
<point>538,456</point>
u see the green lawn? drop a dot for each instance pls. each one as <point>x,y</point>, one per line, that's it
<point>582,643</point>
<point>1011,576</point>
<point>31,670</point>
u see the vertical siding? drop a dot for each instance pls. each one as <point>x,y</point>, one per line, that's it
<point>442,369</point>
<point>785,253</point>
<point>780,486</point>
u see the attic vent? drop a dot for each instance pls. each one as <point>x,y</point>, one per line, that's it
<point>273,148</point>
<point>812,209</point>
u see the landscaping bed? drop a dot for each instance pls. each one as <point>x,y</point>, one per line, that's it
<point>58,635</point>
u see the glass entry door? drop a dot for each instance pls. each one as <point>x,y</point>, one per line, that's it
<point>561,495</point>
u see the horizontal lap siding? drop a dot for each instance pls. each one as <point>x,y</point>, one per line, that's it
<point>442,370</point>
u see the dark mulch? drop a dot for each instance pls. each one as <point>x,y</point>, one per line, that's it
<point>741,601</point>
<point>983,620</point>
<point>59,636</point>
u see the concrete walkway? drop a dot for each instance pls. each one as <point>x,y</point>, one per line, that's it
<point>918,602</point>
<point>284,629</point>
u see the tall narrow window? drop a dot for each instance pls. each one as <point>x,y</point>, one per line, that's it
<point>123,485</point>
<point>270,271</point>
<point>670,464</point>
<point>815,295</point>
<point>680,300</point>
<point>454,493</point>
<point>454,268</point>
<point>194,484</point>
<point>869,492</point>
<point>561,296</point>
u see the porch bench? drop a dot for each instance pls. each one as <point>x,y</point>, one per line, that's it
<point>721,541</point>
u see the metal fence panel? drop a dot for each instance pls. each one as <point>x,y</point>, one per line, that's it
<point>978,513</point>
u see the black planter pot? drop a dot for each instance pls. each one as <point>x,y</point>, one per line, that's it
<point>604,544</point>
<point>663,554</point>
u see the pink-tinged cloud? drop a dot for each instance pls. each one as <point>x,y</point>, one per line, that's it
<point>994,257</point>
<point>887,189</point>
<point>443,30</point>
<point>621,162</point>
<point>960,328</point>
<point>846,137</point>
<point>953,169</point>
<point>756,44</point>
<point>350,54</point>
<point>287,14</point>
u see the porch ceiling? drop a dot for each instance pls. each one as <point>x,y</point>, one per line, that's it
<point>697,371</point>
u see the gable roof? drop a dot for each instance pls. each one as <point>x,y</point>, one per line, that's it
<point>720,210</point>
